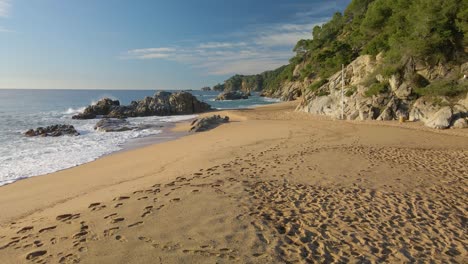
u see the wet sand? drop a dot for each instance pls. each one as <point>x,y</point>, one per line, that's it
<point>272,186</point>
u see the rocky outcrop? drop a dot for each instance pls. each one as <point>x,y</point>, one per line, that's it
<point>102,107</point>
<point>207,123</point>
<point>439,113</point>
<point>386,98</point>
<point>119,125</point>
<point>113,125</point>
<point>206,89</point>
<point>289,91</point>
<point>232,95</point>
<point>161,104</point>
<point>52,131</point>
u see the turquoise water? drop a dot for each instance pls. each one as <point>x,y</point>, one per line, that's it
<point>20,110</point>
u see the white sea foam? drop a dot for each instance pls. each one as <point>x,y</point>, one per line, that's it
<point>22,157</point>
<point>74,111</point>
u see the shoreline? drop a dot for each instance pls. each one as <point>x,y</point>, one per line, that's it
<point>236,171</point>
<point>179,129</point>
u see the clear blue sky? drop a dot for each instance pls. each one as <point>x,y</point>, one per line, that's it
<point>149,44</point>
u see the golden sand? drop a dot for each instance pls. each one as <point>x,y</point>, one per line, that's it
<point>272,186</point>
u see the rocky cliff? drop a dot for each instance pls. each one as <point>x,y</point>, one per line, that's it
<point>371,96</point>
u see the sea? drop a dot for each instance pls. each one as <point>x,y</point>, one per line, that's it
<point>23,157</point>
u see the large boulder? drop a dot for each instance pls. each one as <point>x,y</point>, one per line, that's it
<point>161,104</point>
<point>424,108</point>
<point>102,107</point>
<point>113,125</point>
<point>206,123</point>
<point>52,131</point>
<point>232,95</point>
<point>460,123</point>
<point>441,119</point>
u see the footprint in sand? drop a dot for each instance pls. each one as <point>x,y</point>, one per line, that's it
<point>120,238</point>
<point>45,229</point>
<point>66,217</point>
<point>96,206</point>
<point>117,220</point>
<point>35,254</point>
<point>135,224</point>
<point>25,229</point>
<point>110,231</point>
<point>120,198</point>
<point>111,215</point>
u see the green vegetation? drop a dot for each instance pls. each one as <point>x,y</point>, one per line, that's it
<point>377,88</point>
<point>269,80</point>
<point>323,93</point>
<point>450,88</point>
<point>428,31</point>
<point>351,90</point>
<point>316,85</point>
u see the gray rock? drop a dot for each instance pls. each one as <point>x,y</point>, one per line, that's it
<point>423,109</point>
<point>206,123</point>
<point>161,104</point>
<point>113,125</point>
<point>441,119</point>
<point>460,123</point>
<point>403,91</point>
<point>232,95</point>
<point>102,107</point>
<point>52,131</point>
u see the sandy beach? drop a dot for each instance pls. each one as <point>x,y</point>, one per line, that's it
<point>271,186</point>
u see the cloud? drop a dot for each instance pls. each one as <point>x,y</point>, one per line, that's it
<point>4,30</point>
<point>150,50</point>
<point>262,47</point>
<point>5,8</point>
<point>217,45</point>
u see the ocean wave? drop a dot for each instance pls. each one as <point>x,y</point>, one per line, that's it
<point>73,111</point>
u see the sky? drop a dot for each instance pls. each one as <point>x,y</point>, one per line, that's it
<point>149,44</point>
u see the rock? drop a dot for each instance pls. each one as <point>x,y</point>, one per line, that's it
<point>52,131</point>
<point>161,104</point>
<point>460,123</point>
<point>102,107</point>
<point>395,82</point>
<point>424,108</point>
<point>441,119</point>
<point>233,95</point>
<point>206,123</point>
<point>398,102</point>
<point>206,89</point>
<point>464,102</point>
<point>403,91</point>
<point>113,125</point>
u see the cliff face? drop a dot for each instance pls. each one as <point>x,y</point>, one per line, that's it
<point>371,96</point>
<point>404,59</point>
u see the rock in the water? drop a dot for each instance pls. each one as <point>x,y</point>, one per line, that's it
<point>441,119</point>
<point>102,107</point>
<point>206,123</point>
<point>161,104</point>
<point>113,125</point>
<point>234,95</point>
<point>206,89</point>
<point>52,131</point>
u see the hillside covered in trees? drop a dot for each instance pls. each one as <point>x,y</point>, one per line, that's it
<point>428,32</point>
